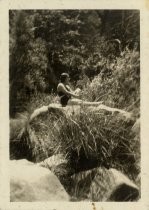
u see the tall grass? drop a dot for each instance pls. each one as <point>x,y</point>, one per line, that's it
<point>87,140</point>
<point>101,139</point>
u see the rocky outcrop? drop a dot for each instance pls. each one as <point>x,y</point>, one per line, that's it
<point>44,109</point>
<point>75,109</point>
<point>36,144</point>
<point>29,182</point>
<point>98,184</point>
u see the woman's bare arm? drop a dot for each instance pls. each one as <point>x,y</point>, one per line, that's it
<point>61,88</point>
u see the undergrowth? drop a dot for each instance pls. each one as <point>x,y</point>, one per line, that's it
<point>119,89</point>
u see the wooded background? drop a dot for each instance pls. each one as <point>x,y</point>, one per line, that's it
<point>98,48</point>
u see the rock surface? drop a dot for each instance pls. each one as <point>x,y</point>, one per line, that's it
<point>75,109</point>
<point>101,184</point>
<point>112,185</point>
<point>29,182</point>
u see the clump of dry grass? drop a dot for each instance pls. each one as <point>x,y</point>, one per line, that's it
<point>88,140</point>
<point>97,139</point>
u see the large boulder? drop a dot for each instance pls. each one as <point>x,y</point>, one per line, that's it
<point>29,182</point>
<point>112,185</point>
<point>101,184</point>
<point>55,108</point>
<point>76,109</point>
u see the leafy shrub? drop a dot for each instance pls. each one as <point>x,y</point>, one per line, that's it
<point>121,88</point>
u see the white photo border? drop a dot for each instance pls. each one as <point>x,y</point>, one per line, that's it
<point>5,6</point>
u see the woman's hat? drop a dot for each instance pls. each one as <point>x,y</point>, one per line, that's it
<point>64,76</point>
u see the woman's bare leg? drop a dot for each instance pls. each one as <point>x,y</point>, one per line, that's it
<point>84,103</point>
<point>92,103</point>
<point>75,101</point>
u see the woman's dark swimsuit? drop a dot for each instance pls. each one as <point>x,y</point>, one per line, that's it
<point>64,98</point>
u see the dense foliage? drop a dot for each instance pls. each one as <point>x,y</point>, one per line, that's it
<point>85,43</point>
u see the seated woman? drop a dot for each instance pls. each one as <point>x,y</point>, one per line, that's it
<point>66,94</point>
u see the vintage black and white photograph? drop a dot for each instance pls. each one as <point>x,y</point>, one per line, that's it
<point>74,105</point>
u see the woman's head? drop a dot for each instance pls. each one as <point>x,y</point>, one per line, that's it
<point>64,77</point>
